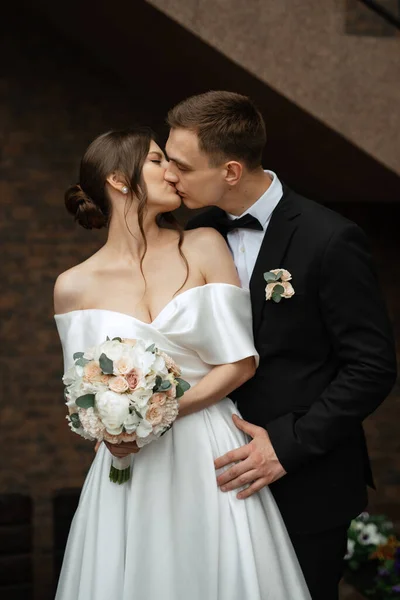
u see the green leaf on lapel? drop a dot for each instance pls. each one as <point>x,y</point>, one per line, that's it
<point>272,277</point>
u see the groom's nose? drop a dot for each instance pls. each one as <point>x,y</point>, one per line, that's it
<point>170,176</point>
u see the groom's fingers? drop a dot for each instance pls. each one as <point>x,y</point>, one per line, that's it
<point>240,481</point>
<point>231,457</point>
<point>236,471</point>
<point>255,487</point>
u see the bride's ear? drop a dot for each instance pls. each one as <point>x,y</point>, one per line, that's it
<point>117,182</point>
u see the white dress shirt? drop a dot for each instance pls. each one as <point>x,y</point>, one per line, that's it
<point>245,244</point>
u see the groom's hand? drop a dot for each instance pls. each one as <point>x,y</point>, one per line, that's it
<point>257,464</point>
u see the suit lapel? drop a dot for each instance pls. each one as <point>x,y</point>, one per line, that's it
<point>280,230</point>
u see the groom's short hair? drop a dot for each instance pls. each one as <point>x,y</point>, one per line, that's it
<point>228,126</point>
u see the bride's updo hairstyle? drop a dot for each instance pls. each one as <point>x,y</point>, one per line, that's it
<point>122,151</point>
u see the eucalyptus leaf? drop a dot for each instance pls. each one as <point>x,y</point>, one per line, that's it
<point>183,384</point>
<point>278,289</point>
<point>276,298</point>
<point>151,348</point>
<point>179,391</point>
<point>165,385</point>
<point>85,401</point>
<point>107,339</point>
<point>81,362</point>
<point>117,339</point>
<point>270,277</point>
<point>75,421</point>
<point>78,355</point>
<point>106,365</point>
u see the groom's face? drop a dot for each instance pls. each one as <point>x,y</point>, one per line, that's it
<point>198,182</point>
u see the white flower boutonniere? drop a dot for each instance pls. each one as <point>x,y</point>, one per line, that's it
<point>278,285</point>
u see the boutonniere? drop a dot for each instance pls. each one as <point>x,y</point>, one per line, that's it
<point>278,285</point>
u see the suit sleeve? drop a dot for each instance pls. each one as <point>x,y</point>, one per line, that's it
<point>361,337</point>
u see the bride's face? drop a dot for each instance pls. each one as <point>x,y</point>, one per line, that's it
<point>161,194</point>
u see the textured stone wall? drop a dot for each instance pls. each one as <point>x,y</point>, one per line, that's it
<point>302,48</point>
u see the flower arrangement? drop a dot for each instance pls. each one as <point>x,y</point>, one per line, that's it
<point>123,390</point>
<point>372,543</point>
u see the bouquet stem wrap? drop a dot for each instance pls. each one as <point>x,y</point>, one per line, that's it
<point>120,470</point>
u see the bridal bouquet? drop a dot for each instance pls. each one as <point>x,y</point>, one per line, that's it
<point>122,391</point>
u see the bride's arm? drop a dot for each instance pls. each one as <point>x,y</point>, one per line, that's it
<point>217,266</point>
<point>216,385</point>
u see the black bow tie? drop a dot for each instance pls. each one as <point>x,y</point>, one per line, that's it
<point>247,222</point>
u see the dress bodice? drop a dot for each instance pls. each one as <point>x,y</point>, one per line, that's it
<point>199,328</point>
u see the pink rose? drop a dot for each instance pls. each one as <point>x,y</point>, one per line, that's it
<point>133,378</point>
<point>118,384</point>
<point>158,399</point>
<point>154,414</point>
<point>129,341</point>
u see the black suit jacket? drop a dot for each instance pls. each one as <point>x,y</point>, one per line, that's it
<point>327,360</point>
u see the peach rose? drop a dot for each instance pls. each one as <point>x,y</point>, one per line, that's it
<point>154,414</point>
<point>133,378</point>
<point>92,372</point>
<point>289,291</point>
<point>286,276</point>
<point>123,365</point>
<point>129,341</point>
<point>158,399</point>
<point>118,384</point>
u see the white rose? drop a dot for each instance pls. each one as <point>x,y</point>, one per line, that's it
<point>113,349</point>
<point>159,367</point>
<point>131,422</point>
<point>113,410</point>
<point>140,398</point>
<point>144,429</point>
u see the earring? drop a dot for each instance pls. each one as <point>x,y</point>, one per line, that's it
<point>125,190</point>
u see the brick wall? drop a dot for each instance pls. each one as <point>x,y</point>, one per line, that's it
<point>52,103</point>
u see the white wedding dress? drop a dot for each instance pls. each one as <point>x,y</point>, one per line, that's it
<point>170,533</point>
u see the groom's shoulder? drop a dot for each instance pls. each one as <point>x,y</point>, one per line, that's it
<point>319,217</point>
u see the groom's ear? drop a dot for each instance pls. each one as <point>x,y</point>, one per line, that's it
<point>233,172</point>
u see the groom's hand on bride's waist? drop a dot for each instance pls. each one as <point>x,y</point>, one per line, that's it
<point>256,464</point>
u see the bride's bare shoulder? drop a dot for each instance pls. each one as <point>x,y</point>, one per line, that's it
<point>70,286</point>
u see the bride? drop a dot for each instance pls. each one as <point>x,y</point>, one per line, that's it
<point>169,533</point>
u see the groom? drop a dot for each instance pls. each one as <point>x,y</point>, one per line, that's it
<point>327,356</point>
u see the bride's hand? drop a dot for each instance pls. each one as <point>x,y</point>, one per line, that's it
<point>123,449</point>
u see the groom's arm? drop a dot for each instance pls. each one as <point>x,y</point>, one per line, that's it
<point>361,337</point>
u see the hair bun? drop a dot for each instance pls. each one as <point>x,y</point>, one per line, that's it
<point>82,207</point>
